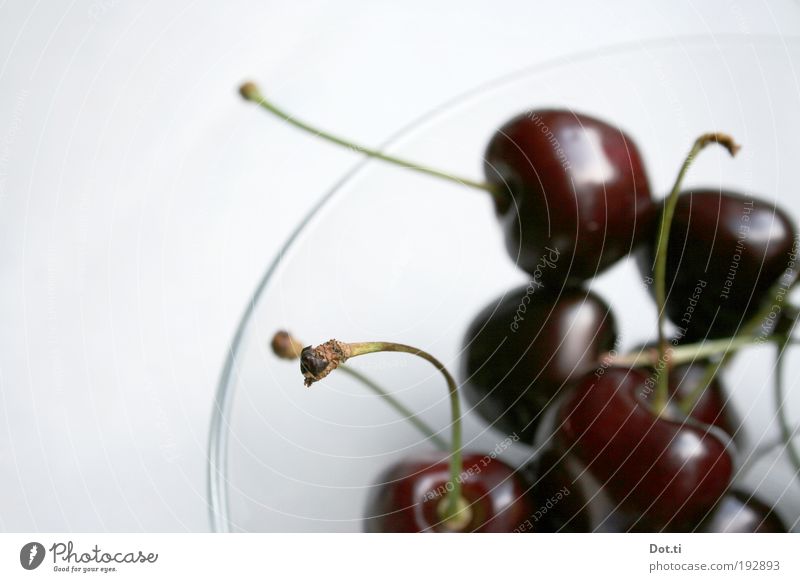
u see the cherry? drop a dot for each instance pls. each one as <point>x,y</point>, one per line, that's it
<point>740,512</point>
<point>563,184</point>
<point>726,251</point>
<point>669,471</point>
<point>735,512</point>
<point>523,347</point>
<point>570,183</point>
<point>550,473</point>
<point>409,494</point>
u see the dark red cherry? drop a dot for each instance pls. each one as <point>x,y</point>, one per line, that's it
<point>522,348</point>
<point>568,185</point>
<point>740,512</point>
<point>562,505</point>
<point>408,495</point>
<point>726,250</point>
<point>668,471</point>
<point>714,406</point>
<point>550,474</point>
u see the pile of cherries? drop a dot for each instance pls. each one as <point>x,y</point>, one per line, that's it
<point>647,469</point>
<point>645,442</point>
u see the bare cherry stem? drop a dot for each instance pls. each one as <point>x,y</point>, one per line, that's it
<point>250,92</point>
<point>316,363</point>
<point>780,408</point>
<point>287,347</point>
<point>662,387</point>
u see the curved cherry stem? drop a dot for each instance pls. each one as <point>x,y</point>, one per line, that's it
<point>399,407</point>
<point>662,376</point>
<point>759,453</point>
<point>318,362</point>
<point>286,347</point>
<point>780,408</point>
<point>747,332</point>
<point>686,353</point>
<point>252,93</point>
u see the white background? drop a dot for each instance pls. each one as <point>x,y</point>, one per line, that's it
<point>128,246</point>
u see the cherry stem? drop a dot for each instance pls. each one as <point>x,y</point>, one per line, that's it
<point>759,453</point>
<point>285,346</point>
<point>662,376</point>
<point>251,92</point>
<point>318,362</point>
<point>780,407</point>
<point>686,353</point>
<point>747,332</point>
<point>401,408</point>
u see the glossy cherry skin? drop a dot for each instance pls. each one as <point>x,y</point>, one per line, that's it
<point>408,495</point>
<point>669,472</point>
<point>551,480</point>
<point>726,250</point>
<point>740,512</point>
<point>568,183</point>
<point>524,347</point>
<point>550,475</point>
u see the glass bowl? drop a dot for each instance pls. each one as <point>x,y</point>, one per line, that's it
<point>389,254</point>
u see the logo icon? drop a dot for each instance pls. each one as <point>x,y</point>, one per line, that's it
<point>31,555</point>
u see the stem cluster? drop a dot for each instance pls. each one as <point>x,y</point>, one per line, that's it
<point>662,372</point>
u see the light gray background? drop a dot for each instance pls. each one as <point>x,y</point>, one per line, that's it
<point>129,246</point>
